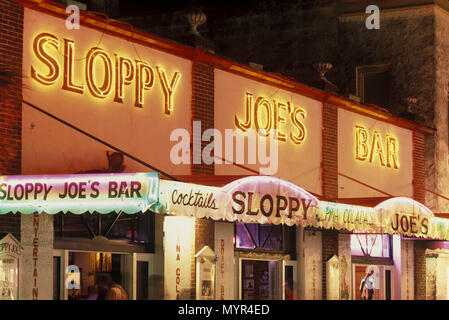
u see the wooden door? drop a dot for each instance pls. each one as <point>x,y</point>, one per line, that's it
<point>359,274</point>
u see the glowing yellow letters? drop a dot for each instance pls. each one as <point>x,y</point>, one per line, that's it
<point>120,78</point>
<point>245,126</point>
<point>144,81</point>
<point>69,47</point>
<point>168,88</point>
<point>99,72</point>
<point>105,89</point>
<point>301,135</point>
<point>392,152</point>
<point>374,149</point>
<point>263,103</point>
<point>361,146</point>
<point>280,120</point>
<point>51,63</point>
<point>268,115</point>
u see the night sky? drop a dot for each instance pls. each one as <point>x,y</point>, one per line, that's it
<point>142,7</point>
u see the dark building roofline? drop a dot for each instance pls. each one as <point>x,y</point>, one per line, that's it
<point>359,7</point>
<point>126,31</point>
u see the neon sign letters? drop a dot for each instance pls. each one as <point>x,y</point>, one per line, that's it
<point>117,73</point>
<point>264,115</point>
<point>371,148</point>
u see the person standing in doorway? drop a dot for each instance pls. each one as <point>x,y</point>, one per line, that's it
<point>116,291</point>
<point>363,289</point>
<point>108,287</point>
<point>369,284</point>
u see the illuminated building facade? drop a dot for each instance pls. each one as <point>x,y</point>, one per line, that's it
<point>223,231</point>
<point>372,66</point>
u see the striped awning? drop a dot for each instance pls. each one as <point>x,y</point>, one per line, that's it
<point>79,193</point>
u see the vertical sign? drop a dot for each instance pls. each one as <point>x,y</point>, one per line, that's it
<point>36,275</point>
<point>313,279</point>
<point>225,271</point>
<point>10,252</point>
<point>333,278</point>
<point>407,270</point>
<point>344,250</point>
<point>178,243</point>
<point>35,290</point>
<point>312,266</point>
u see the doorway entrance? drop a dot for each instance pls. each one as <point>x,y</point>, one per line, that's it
<point>261,280</point>
<point>89,265</point>
<point>383,281</point>
<point>133,271</point>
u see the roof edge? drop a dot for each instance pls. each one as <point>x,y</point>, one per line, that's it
<point>126,31</point>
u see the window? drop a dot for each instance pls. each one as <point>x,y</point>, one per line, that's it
<point>373,85</point>
<point>252,236</point>
<point>267,237</point>
<point>371,245</point>
<point>132,228</point>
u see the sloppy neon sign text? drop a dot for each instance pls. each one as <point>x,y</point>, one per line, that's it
<point>118,72</point>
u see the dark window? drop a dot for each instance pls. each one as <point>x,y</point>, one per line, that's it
<point>265,236</point>
<point>377,89</point>
<point>247,235</point>
<point>373,85</point>
<point>133,228</point>
<point>252,235</point>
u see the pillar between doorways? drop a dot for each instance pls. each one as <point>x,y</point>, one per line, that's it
<point>202,110</point>
<point>329,181</point>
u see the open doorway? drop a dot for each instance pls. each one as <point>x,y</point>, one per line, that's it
<point>261,280</point>
<point>90,264</point>
<point>383,281</point>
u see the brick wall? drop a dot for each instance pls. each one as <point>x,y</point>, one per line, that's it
<point>203,106</point>
<point>418,167</point>
<point>11,38</point>
<point>421,76</point>
<point>204,231</point>
<point>420,270</point>
<point>419,195</point>
<point>202,110</point>
<point>330,151</point>
<point>329,242</point>
<point>441,123</point>
<point>329,181</point>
